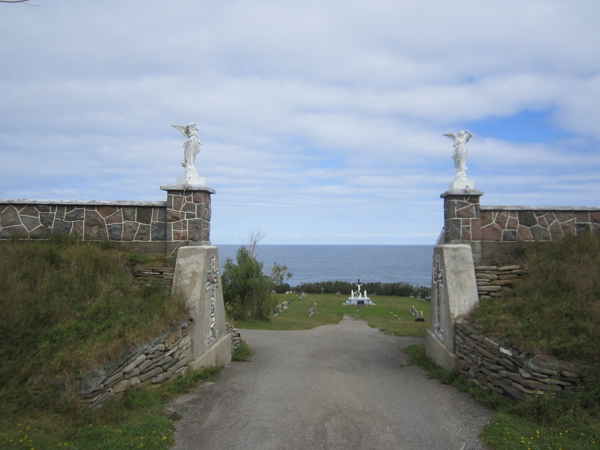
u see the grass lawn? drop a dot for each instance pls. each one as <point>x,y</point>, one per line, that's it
<point>389,313</point>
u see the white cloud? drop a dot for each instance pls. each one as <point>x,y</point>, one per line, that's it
<point>312,113</point>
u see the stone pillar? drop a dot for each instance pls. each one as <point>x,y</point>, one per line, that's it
<point>462,216</point>
<point>197,277</point>
<point>453,295</point>
<point>188,215</point>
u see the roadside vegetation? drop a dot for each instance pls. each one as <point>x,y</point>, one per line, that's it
<point>555,310</point>
<point>67,308</point>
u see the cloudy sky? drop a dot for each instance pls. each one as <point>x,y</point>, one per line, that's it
<point>322,120</point>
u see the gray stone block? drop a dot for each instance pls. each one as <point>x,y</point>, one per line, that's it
<point>47,219</point>
<point>14,232</point>
<point>77,214</point>
<point>509,235</point>
<point>95,227</point>
<point>527,218</point>
<point>159,231</point>
<point>30,222</point>
<point>540,233</point>
<point>61,227</point>
<point>144,215</point>
<point>9,217</point>
<point>41,233</point>
<point>143,233</point>
<point>129,214</point>
<point>115,232</point>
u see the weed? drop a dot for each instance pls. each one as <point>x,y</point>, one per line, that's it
<point>242,353</point>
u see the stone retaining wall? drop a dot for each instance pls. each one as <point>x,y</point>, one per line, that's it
<point>493,280</point>
<point>166,358</point>
<point>508,371</point>
<point>145,275</point>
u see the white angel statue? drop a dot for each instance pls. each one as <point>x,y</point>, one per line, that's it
<point>460,152</point>
<point>191,148</point>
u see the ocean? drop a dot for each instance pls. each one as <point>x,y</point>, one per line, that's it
<point>371,263</point>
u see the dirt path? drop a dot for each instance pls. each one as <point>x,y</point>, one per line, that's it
<point>342,386</point>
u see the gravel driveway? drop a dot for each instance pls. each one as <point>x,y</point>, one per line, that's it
<point>344,386</point>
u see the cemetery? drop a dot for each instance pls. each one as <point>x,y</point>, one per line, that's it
<point>473,262</point>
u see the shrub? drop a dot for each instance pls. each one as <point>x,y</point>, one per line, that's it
<point>246,290</point>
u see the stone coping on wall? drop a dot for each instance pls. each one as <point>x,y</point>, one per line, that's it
<point>187,187</point>
<point>462,192</point>
<point>539,208</point>
<point>22,201</point>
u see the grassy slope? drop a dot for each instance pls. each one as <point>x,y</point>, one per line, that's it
<point>390,313</point>
<point>556,311</point>
<point>68,307</point>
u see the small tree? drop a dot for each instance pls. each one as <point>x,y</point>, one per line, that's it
<point>279,276</point>
<point>246,290</point>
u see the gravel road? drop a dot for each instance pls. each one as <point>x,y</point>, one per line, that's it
<point>344,386</point>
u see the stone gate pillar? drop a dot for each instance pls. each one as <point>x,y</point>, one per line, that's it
<point>462,216</point>
<point>453,295</point>
<point>197,277</point>
<point>188,215</point>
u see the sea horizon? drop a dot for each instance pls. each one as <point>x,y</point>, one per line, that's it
<point>312,263</point>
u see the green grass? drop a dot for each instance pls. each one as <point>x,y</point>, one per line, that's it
<point>139,420</point>
<point>389,314</point>
<point>242,353</point>
<point>67,308</point>
<point>570,420</point>
<point>555,310</point>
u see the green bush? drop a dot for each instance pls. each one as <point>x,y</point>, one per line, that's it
<point>246,289</point>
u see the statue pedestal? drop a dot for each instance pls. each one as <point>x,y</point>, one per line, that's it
<point>188,215</point>
<point>461,185</point>
<point>195,181</point>
<point>462,222</point>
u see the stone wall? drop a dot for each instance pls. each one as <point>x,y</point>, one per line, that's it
<point>164,359</point>
<point>145,275</point>
<point>153,227</point>
<point>533,223</point>
<point>493,231</point>
<point>493,280</point>
<point>87,220</point>
<point>509,371</point>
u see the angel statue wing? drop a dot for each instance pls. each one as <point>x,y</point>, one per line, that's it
<point>450,135</point>
<point>182,128</point>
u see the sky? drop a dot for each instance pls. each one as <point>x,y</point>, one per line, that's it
<point>322,120</point>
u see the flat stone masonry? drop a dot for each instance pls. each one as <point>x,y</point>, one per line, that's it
<point>493,280</point>
<point>509,371</point>
<point>164,359</point>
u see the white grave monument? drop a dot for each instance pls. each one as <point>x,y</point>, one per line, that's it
<point>358,299</point>
<point>461,182</point>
